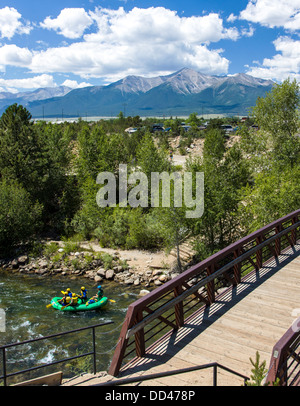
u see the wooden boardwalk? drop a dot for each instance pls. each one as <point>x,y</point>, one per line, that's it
<point>244,319</point>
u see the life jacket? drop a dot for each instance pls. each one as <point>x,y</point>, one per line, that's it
<point>74,300</point>
<point>100,294</point>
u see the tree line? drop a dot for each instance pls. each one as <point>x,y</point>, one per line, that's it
<point>48,177</point>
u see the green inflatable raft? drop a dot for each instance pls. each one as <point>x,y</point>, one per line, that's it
<point>80,307</point>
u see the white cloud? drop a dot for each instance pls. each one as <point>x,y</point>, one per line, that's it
<point>159,24</point>
<point>15,56</point>
<point>286,63</point>
<point>71,22</point>
<point>232,18</point>
<point>148,42</point>
<point>10,23</point>
<point>139,41</point>
<point>74,84</point>
<point>273,13</point>
<point>35,82</point>
<point>248,32</point>
<point>277,14</point>
<point>103,59</point>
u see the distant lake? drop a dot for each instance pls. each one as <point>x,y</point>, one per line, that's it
<point>59,120</point>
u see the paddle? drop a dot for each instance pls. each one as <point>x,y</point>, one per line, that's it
<point>50,305</point>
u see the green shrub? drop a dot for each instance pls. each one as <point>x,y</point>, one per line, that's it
<point>70,246</point>
<point>107,260</point>
<point>50,249</point>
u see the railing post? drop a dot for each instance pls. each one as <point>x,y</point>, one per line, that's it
<point>215,369</point>
<point>178,308</point>
<point>278,241</point>
<point>4,366</point>
<point>140,337</point>
<point>294,232</point>
<point>237,268</point>
<point>211,285</point>
<point>94,350</point>
<point>259,253</point>
<point>282,350</point>
<point>119,353</point>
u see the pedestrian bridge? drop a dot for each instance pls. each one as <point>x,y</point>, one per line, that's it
<point>202,327</point>
<point>240,300</point>
<point>249,317</point>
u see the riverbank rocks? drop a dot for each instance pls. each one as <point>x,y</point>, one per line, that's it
<point>96,266</point>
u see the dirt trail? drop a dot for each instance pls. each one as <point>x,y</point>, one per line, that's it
<point>139,259</point>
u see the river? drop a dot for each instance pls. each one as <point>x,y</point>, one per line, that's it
<point>23,300</point>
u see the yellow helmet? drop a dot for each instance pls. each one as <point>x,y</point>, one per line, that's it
<point>73,294</point>
<point>82,288</point>
<point>68,290</point>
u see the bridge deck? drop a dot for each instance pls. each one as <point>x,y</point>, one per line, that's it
<point>248,318</point>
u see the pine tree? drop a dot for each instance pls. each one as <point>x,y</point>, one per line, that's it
<point>258,371</point>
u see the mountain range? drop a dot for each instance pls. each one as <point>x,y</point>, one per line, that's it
<point>24,98</point>
<point>180,93</point>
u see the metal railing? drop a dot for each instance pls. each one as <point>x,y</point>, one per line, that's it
<point>285,361</point>
<point>4,348</point>
<point>142,378</point>
<point>167,306</point>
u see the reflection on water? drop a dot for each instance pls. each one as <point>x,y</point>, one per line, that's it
<point>24,298</point>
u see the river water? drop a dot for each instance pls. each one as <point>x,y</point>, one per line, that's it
<point>23,300</point>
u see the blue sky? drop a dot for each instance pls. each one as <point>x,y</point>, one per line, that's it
<point>93,42</point>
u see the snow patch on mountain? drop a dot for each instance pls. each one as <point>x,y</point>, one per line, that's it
<point>186,81</point>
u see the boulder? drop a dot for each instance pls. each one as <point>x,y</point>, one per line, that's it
<point>118,269</point>
<point>136,281</point>
<point>101,272</point>
<point>157,282</point>
<point>163,278</point>
<point>109,274</point>
<point>43,263</point>
<point>144,292</point>
<point>22,260</point>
